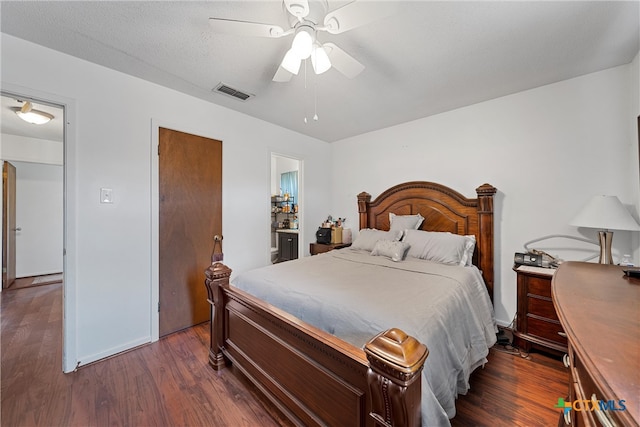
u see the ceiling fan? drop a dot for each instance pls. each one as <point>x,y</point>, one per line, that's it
<point>306,19</point>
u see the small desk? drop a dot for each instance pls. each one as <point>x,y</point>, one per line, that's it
<point>319,248</point>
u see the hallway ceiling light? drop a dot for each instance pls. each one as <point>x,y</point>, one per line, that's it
<point>29,115</point>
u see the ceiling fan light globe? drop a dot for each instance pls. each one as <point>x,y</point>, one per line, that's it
<point>303,42</point>
<point>320,59</point>
<point>291,62</point>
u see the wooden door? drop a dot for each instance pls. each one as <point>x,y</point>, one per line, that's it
<point>190,181</point>
<point>8,224</point>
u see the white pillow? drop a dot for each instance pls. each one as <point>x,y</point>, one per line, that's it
<point>367,238</point>
<point>394,250</point>
<point>405,222</point>
<point>446,248</point>
<point>471,246</point>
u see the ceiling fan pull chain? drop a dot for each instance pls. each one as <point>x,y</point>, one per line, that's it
<point>305,90</point>
<point>315,97</point>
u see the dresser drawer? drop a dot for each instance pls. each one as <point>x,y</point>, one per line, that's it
<point>586,389</point>
<point>541,307</point>
<point>539,286</point>
<point>545,329</point>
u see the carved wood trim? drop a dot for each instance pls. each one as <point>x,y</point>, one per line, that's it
<point>396,361</point>
<point>217,278</point>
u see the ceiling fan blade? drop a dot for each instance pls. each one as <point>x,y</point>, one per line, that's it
<point>246,28</point>
<point>298,8</point>
<point>342,61</point>
<point>282,75</point>
<point>356,14</point>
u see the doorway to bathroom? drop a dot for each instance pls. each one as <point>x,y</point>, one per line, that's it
<point>285,206</point>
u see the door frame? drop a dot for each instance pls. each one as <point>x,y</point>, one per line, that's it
<point>70,254</point>
<point>156,124</point>
<point>8,224</point>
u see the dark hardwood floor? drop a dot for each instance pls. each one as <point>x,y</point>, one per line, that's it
<point>169,383</point>
<point>514,390</point>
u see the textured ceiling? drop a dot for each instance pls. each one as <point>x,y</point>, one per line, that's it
<point>426,58</point>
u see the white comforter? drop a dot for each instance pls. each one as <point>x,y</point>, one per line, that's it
<point>355,296</point>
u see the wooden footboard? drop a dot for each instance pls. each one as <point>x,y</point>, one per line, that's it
<point>311,376</point>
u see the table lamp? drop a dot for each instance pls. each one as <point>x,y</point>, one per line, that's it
<point>606,213</point>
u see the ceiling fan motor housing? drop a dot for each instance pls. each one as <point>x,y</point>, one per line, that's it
<point>311,10</point>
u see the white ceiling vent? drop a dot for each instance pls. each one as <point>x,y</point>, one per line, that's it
<point>228,90</point>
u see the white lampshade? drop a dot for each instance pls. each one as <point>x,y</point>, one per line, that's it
<point>605,213</point>
<point>319,59</point>
<point>303,42</point>
<point>291,62</point>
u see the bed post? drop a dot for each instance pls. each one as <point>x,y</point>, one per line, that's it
<point>486,192</point>
<point>395,363</point>
<point>217,277</point>
<point>364,199</point>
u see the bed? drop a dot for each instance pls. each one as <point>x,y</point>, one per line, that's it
<point>361,368</point>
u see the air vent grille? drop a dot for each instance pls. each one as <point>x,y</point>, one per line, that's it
<point>229,91</point>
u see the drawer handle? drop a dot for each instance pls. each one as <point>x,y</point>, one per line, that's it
<point>562,334</point>
<point>565,360</point>
<point>605,421</point>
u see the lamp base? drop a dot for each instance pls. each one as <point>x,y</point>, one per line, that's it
<point>605,237</point>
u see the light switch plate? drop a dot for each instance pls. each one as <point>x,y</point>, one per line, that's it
<point>106,195</point>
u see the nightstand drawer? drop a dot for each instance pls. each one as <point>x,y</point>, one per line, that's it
<point>537,324</point>
<point>539,286</point>
<point>545,329</point>
<point>541,307</point>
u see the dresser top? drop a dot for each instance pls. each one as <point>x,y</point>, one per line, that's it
<point>599,308</point>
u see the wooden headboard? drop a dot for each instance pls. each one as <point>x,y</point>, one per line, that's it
<point>444,209</point>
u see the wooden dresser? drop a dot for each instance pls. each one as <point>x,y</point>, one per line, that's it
<point>599,308</point>
<point>537,324</point>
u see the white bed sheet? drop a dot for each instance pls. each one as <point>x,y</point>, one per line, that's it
<point>445,307</point>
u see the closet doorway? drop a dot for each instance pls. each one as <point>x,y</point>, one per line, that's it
<point>286,203</point>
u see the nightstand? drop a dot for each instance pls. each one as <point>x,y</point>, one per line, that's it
<point>537,324</point>
<point>319,248</point>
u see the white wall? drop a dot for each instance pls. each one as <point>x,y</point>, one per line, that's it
<point>546,150</point>
<point>39,207</point>
<point>24,149</point>
<point>111,284</point>
<point>39,214</point>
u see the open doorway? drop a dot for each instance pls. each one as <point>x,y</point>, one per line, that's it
<point>286,208</point>
<point>38,154</point>
<point>33,208</point>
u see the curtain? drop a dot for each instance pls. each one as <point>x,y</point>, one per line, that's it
<point>289,184</point>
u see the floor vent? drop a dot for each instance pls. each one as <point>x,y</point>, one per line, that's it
<point>227,90</point>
